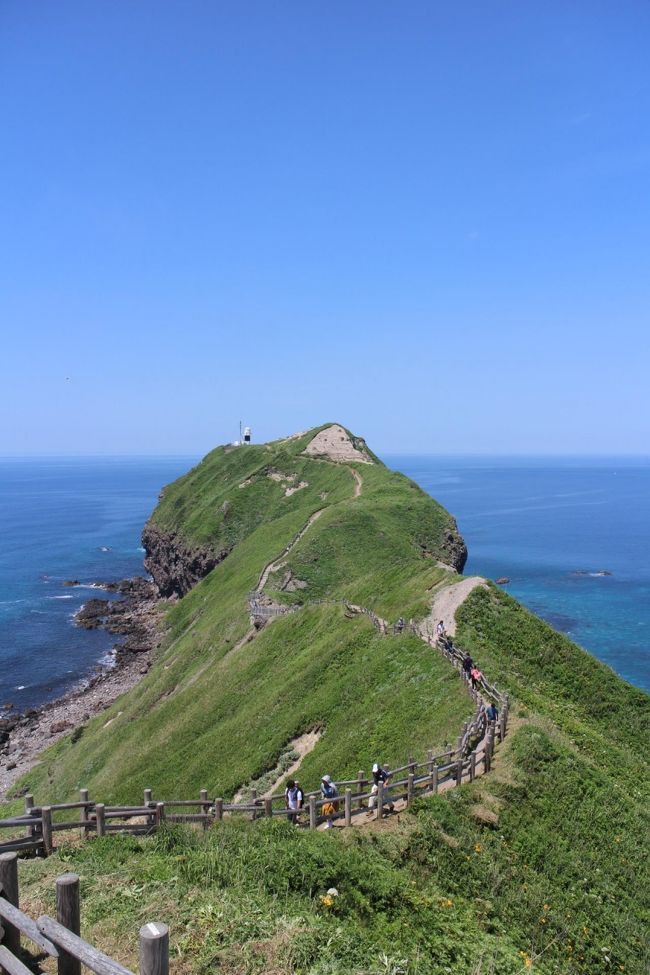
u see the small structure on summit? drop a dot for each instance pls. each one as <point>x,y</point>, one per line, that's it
<point>245,436</point>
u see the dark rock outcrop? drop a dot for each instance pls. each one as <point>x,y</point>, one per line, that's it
<point>135,614</point>
<point>454,548</point>
<point>176,566</point>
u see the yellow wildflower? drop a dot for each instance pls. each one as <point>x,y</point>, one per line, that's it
<point>326,900</point>
<point>477,847</point>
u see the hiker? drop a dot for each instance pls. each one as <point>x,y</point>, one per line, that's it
<point>329,792</point>
<point>291,801</point>
<point>476,676</point>
<point>400,625</point>
<point>300,798</point>
<point>379,774</point>
<point>468,663</point>
<point>440,630</point>
<point>491,712</point>
<point>388,803</point>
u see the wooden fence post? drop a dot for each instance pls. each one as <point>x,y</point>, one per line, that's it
<point>502,727</point>
<point>472,766</point>
<point>148,796</point>
<point>410,789</point>
<point>29,805</point>
<point>100,821</point>
<point>348,807</point>
<point>46,817</point>
<point>380,799</point>
<point>83,812</point>
<point>218,809</point>
<point>312,811</point>
<point>68,914</point>
<point>268,806</point>
<point>154,949</point>
<point>205,808</point>
<point>459,771</point>
<point>160,814</point>
<point>459,743</point>
<point>434,780</point>
<point>9,885</point>
<point>361,779</point>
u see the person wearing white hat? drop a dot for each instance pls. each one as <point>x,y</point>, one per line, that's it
<point>379,774</point>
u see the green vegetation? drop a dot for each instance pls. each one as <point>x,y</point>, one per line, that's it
<point>212,715</point>
<point>540,866</point>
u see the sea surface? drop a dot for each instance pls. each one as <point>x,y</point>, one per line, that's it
<point>62,520</point>
<point>550,526</point>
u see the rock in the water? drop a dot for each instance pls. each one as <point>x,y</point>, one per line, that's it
<point>71,582</point>
<point>92,614</point>
<point>503,581</point>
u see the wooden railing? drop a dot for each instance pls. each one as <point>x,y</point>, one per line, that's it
<point>470,756</point>
<point>60,938</point>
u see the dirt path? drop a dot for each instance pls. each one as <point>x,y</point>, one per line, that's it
<point>445,604</point>
<point>369,818</point>
<point>276,563</point>
<point>358,486</point>
<point>303,746</point>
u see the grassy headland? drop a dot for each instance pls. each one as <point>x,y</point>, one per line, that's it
<point>542,865</point>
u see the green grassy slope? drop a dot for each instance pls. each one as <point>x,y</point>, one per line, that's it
<point>207,716</point>
<point>540,866</point>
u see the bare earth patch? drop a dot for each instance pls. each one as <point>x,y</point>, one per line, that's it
<point>445,604</point>
<point>335,444</point>
<point>300,746</point>
<point>292,490</point>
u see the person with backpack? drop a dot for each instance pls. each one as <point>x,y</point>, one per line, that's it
<point>476,676</point>
<point>328,791</point>
<point>440,630</point>
<point>468,663</point>
<point>492,712</point>
<point>300,799</point>
<point>291,801</point>
<point>388,803</point>
<point>379,774</point>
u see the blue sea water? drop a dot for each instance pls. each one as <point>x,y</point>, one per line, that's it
<point>537,522</point>
<point>550,526</point>
<point>66,519</point>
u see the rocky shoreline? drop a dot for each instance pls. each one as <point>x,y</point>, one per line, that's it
<point>136,616</point>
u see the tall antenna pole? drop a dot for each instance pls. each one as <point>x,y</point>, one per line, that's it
<point>241,435</point>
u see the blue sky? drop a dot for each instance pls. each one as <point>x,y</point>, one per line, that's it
<point>430,222</point>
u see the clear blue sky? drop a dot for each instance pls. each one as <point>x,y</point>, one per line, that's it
<point>428,221</point>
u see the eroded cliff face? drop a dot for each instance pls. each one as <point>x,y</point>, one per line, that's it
<point>174,565</point>
<point>454,548</point>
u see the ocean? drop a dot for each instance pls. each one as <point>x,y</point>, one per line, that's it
<point>552,526</point>
<point>548,525</point>
<point>61,520</point>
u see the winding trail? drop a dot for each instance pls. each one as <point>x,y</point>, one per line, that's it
<point>358,487</point>
<point>277,563</point>
<point>445,604</point>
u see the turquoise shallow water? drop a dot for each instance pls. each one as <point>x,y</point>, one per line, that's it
<point>549,526</point>
<point>538,522</point>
